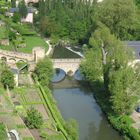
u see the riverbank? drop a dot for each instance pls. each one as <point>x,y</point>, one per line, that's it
<point>65,128</point>
<point>76,101</point>
<point>123,124</point>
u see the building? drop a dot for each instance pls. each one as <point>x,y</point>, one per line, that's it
<point>135,46</point>
<point>28,18</point>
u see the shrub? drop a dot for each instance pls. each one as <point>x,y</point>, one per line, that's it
<point>7,79</point>
<point>34,119</point>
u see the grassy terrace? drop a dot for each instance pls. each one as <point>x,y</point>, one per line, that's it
<point>26,32</point>
<point>31,42</point>
<point>53,112</point>
<point>3,135</point>
<point>3,33</point>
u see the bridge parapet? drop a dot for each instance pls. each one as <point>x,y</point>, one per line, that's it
<point>67,60</point>
<point>68,65</point>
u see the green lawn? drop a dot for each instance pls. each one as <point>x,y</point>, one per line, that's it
<point>3,135</point>
<point>31,42</point>
<point>8,48</point>
<point>3,33</point>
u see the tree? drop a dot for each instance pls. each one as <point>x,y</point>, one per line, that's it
<point>109,58</point>
<point>44,71</point>
<point>23,11</point>
<point>7,79</point>
<point>91,66</point>
<point>124,89</point>
<point>33,119</point>
<point>16,17</point>
<point>13,3</point>
<point>73,18</point>
<point>121,17</point>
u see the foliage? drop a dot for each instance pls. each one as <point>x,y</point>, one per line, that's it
<point>71,127</point>
<point>16,17</point>
<point>66,19</point>
<point>53,112</point>
<point>7,79</point>
<point>44,71</point>
<point>121,16</point>
<point>23,9</point>
<point>13,3</point>
<point>2,132</point>
<point>123,124</point>
<point>33,119</point>
<point>91,66</point>
<point>124,90</point>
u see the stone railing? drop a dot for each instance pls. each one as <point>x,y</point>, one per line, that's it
<point>18,55</point>
<point>67,60</point>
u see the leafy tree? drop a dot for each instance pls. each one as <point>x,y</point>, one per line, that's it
<point>124,89</point>
<point>7,79</point>
<point>34,119</point>
<point>73,18</point>
<point>91,66</point>
<point>105,44</point>
<point>109,58</point>
<point>44,71</point>
<point>13,3</point>
<point>121,17</point>
<point>16,17</point>
<point>22,9</point>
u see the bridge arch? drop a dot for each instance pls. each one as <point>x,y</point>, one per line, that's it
<point>3,59</point>
<point>22,61</point>
<point>68,65</point>
<point>12,60</point>
<point>59,75</point>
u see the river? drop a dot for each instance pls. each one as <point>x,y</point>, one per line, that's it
<point>76,101</point>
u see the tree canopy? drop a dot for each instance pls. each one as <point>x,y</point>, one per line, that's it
<point>44,71</point>
<point>121,16</point>
<point>7,79</point>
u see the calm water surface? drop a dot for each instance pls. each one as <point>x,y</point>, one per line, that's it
<point>77,101</point>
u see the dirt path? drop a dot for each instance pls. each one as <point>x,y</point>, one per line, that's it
<point>136,117</point>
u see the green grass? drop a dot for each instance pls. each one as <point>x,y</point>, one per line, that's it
<point>31,42</point>
<point>46,98</point>
<point>8,48</point>
<point>3,33</point>
<point>55,137</point>
<point>3,135</point>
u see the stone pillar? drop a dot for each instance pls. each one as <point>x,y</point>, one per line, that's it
<point>38,53</point>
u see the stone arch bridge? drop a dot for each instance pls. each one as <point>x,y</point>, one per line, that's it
<point>68,65</point>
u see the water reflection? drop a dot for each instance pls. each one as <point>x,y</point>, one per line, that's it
<point>78,102</point>
<point>58,75</point>
<point>78,76</point>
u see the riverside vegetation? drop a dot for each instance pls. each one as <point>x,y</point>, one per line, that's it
<point>102,26</point>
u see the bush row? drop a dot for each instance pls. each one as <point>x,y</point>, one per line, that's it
<point>123,123</point>
<point>60,123</point>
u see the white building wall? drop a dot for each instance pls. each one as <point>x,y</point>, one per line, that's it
<point>29,18</point>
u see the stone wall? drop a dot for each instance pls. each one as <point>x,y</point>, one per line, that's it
<point>68,65</point>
